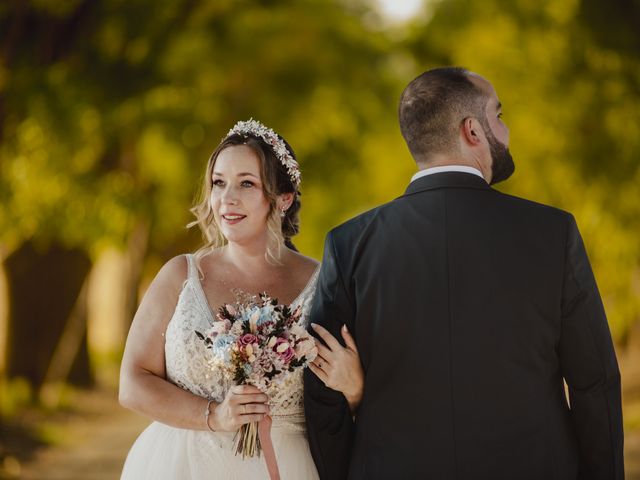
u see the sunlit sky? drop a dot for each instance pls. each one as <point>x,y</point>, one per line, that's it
<point>399,10</point>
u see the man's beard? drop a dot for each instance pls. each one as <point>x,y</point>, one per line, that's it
<point>502,166</point>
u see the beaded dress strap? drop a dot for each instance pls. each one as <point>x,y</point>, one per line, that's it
<point>192,268</point>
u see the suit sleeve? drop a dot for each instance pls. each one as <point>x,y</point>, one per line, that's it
<point>590,368</point>
<point>329,421</point>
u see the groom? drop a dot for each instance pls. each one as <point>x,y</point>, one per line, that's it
<point>470,308</point>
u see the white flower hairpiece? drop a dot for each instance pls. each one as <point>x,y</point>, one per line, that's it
<point>257,129</point>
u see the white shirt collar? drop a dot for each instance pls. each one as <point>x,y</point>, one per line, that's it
<point>447,168</point>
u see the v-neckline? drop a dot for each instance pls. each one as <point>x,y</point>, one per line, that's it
<point>207,305</point>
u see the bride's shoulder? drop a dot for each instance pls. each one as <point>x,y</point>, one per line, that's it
<point>304,263</point>
<point>174,271</point>
<point>168,282</point>
<point>303,266</point>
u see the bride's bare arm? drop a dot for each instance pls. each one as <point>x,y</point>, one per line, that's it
<point>339,367</point>
<point>143,384</point>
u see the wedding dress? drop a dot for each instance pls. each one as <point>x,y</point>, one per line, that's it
<point>165,452</point>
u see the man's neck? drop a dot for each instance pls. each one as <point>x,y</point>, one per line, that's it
<point>440,162</point>
<point>447,168</point>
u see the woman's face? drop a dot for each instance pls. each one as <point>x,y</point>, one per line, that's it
<point>238,202</point>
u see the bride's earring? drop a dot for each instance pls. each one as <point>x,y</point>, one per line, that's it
<point>283,213</point>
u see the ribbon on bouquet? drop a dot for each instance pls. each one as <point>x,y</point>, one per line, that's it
<point>264,433</point>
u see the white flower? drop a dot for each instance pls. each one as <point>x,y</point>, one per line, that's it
<point>253,321</point>
<point>218,328</point>
<point>236,329</point>
<point>307,348</point>
<point>298,331</point>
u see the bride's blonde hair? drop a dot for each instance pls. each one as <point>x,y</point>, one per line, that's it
<point>275,181</point>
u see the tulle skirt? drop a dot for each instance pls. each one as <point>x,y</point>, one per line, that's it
<point>162,452</point>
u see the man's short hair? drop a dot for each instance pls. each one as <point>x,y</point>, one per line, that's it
<point>432,108</point>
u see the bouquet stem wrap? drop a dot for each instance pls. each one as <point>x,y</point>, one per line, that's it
<point>264,433</point>
<point>255,437</point>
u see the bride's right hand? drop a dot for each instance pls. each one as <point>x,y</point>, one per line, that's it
<point>243,404</point>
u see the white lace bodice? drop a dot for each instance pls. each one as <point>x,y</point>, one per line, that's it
<point>186,355</point>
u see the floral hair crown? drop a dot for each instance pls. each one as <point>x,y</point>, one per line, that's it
<point>257,129</point>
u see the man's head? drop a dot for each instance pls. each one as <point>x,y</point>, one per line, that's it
<point>452,116</point>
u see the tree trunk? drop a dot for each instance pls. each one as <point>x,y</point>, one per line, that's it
<point>43,290</point>
<point>66,363</point>
<point>136,254</point>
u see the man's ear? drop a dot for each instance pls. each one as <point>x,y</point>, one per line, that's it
<point>471,132</point>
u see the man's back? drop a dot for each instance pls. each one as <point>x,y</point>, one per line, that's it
<point>468,307</point>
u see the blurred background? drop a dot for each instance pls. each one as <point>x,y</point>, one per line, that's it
<point>110,108</point>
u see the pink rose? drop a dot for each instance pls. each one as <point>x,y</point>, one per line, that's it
<point>284,350</point>
<point>247,339</point>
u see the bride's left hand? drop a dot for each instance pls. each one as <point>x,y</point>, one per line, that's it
<point>339,367</point>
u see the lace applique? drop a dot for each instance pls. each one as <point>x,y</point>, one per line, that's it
<point>186,355</point>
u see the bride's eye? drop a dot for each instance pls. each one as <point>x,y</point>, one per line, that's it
<point>218,183</point>
<point>247,184</point>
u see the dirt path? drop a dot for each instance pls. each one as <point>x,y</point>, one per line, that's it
<point>93,447</point>
<point>95,443</point>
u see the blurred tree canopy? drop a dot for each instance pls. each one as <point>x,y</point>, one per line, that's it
<point>110,108</point>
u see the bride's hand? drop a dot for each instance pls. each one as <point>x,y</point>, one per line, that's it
<point>339,367</point>
<point>243,404</point>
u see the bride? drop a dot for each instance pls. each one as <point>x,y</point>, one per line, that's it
<point>248,214</point>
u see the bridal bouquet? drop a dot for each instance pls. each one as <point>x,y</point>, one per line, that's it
<point>258,341</point>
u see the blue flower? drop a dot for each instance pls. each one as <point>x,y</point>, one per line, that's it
<point>266,315</point>
<point>223,341</point>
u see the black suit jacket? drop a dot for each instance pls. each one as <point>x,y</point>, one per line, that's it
<point>469,308</point>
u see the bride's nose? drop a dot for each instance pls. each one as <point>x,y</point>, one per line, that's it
<point>230,196</point>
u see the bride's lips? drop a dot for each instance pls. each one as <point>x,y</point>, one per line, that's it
<point>233,218</point>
